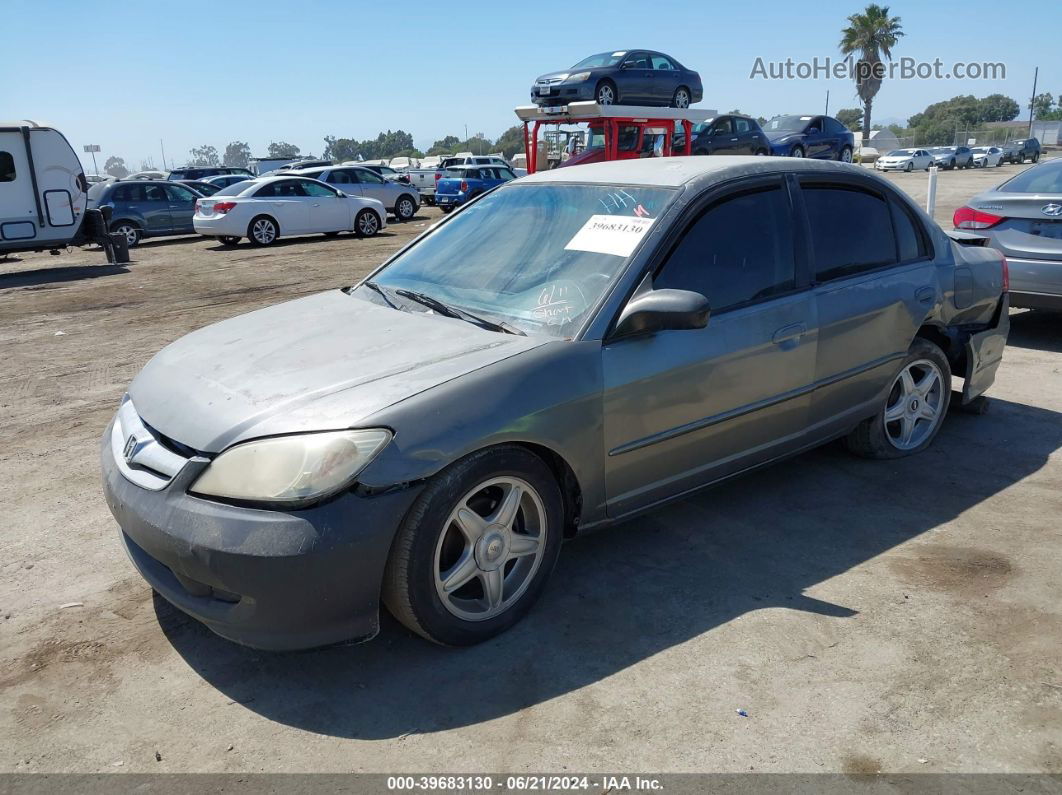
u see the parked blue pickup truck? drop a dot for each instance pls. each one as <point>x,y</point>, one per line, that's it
<point>461,183</point>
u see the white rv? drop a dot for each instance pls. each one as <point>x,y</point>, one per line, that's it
<point>42,189</point>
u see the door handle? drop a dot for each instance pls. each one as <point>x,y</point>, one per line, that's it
<point>925,295</point>
<point>317,204</point>
<point>790,332</point>
<point>733,139</point>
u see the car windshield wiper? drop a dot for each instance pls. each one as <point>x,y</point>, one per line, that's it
<point>461,314</point>
<point>382,293</point>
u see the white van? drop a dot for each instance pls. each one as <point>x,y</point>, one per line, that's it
<point>42,189</point>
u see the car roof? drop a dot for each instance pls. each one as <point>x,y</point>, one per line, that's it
<point>677,171</point>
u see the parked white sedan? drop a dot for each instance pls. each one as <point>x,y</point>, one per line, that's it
<point>267,208</point>
<point>987,156</point>
<point>904,160</point>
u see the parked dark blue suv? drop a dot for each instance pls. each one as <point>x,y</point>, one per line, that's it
<point>146,208</point>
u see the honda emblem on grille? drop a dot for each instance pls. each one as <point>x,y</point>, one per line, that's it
<point>1051,209</point>
<point>130,447</point>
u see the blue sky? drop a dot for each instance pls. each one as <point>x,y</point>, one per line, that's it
<point>125,75</point>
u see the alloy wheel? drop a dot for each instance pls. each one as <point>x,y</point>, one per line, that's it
<point>846,155</point>
<point>264,231</point>
<point>915,406</point>
<point>405,210</point>
<point>490,548</point>
<point>605,95</point>
<point>130,233</point>
<point>368,224</point>
<point>682,98</point>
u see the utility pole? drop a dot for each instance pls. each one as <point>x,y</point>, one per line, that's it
<point>1032,101</point>
<point>163,146</point>
<point>827,111</point>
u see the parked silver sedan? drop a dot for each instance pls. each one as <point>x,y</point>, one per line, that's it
<point>401,200</point>
<point>1023,219</point>
<point>557,355</point>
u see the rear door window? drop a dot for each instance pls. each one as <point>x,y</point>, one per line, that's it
<point>851,230</point>
<point>179,194</point>
<point>737,252</point>
<point>370,177</point>
<point>316,189</point>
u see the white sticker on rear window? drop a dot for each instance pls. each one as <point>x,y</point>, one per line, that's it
<point>610,234</point>
<point>805,118</point>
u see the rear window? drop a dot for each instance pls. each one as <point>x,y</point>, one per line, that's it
<point>1046,178</point>
<point>454,172</point>
<point>235,189</point>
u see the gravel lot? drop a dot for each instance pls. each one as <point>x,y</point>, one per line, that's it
<point>896,616</point>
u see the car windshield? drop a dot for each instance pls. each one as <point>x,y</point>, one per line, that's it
<point>1046,178</point>
<point>601,59</point>
<point>900,153</point>
<point>539,257</point>
<point>790,123</point>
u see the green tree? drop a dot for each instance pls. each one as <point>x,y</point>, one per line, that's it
<point>205,155</point>
<point>870,35</point>
<point>339,149</point>
<point>445,146</point>
<point>1041,105</point>
<point>115,166</point>
<point>237,154</point>
<point>511,141</point>
<point>279,149</point>
<point>998,107</point>
<point>850,117</point>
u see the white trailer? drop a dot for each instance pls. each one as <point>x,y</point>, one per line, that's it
<point>43,190</point>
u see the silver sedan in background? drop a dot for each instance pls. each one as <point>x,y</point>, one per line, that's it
<point>1023,219</point>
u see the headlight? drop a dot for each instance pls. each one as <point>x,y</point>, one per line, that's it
<point>578,77</point>
<point>297,468</point>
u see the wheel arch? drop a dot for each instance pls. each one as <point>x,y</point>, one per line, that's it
<point>949,341</point>
<point>256,216</point>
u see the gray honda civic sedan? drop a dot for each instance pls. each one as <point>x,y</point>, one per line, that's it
<point>567,350</point>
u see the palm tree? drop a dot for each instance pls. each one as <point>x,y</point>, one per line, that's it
<point>871,34</point>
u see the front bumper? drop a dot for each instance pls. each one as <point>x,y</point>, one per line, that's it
<point>892,166</point>
<point>563,93</point>
<point>270,579</point>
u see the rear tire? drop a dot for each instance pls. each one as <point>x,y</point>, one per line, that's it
<point>366,224</point>
<point>682,98</point>
<point>130,231</point>
<point>902,426</point>
<point>263,231</point>
<point>442,571</point>
<point>846,154</point>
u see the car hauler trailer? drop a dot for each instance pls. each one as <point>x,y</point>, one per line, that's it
<point>615,132</point>
<point>44,194</point>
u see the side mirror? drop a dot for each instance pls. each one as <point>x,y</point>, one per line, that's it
<point>813,130</point>
<point>342,195</point>
<point>663,310</point>
<point>626,65</point>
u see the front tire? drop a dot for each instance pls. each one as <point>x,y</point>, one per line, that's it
<point>476,549</point>
<point>605,93</point>
<point>914,408</point>
<point>366,224</point>
<point>263,231</point>
<point>796,151</point>
<point>909,167</point>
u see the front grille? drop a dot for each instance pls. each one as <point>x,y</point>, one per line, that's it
<point>141,454</point>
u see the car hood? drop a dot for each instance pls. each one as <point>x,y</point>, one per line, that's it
<point>323,362</point>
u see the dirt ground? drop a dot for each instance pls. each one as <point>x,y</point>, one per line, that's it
<point>867,616</point>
